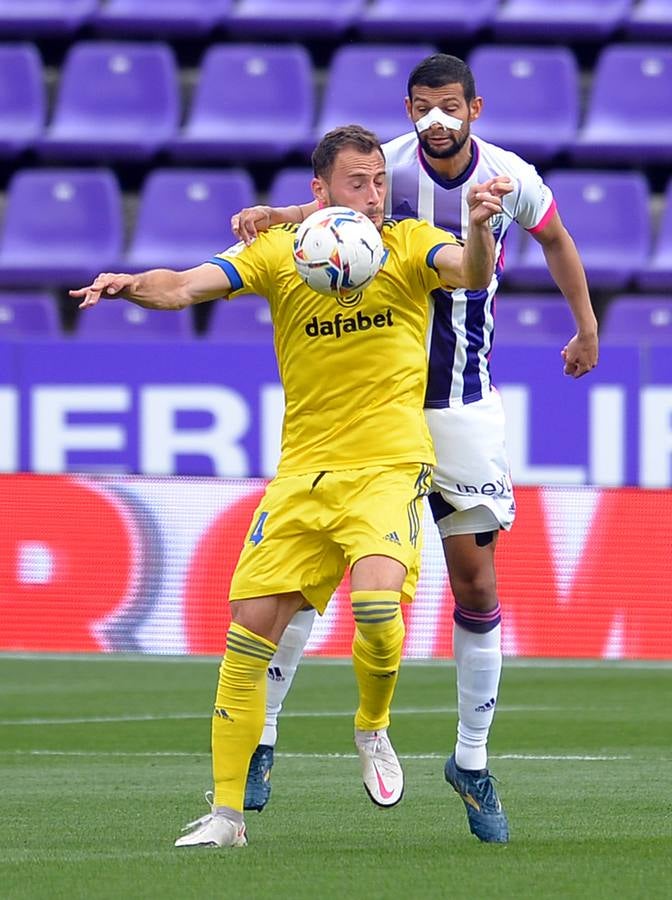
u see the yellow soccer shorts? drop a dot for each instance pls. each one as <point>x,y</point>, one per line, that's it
<point>309,528</point>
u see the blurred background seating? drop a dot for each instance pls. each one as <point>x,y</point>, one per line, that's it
<point>252,102</point>
<point>645,319</point>
<point>115,101</point>
<point>120,321</point>
<point>532,318</point>
<point>132,95</point>
<point>183,216</point>
<point>28,315</point>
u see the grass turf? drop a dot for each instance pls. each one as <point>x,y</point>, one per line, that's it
<point>92,801</point>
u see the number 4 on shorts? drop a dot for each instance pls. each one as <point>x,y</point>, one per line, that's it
<point>258,530</point>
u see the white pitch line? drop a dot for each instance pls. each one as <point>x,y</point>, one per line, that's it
<point>513,662</point>
<point>103,720</point>
<point>52,855</point>
<point>508,756</point>
<point>107,754</point>
<point>290,714</point>
<point>178,754</point>
<point>559,757</point>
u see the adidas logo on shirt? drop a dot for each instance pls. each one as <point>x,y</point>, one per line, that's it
<point>392,536</point>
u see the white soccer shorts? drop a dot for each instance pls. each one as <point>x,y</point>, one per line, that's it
<point>472,471</point>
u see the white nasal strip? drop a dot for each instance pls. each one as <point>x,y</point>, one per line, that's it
<point>437,116</point>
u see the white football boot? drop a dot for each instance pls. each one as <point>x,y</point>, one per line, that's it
<point>381,771</point>
<point>213,830</point>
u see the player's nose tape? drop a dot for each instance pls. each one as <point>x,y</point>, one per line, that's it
<point>437,116</point>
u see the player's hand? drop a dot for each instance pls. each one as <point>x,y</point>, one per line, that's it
<point>247,223</point>
<point>580,355</point>
<point>107,284</point>
<point>485,200</point>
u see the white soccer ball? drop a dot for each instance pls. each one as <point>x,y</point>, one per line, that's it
<point>338,251</point>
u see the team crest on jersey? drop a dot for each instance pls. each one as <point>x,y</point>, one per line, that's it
<point>349,302</point>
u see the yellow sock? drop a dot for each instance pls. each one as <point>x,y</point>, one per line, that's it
<point>240,707</point>
<point>376,654</point>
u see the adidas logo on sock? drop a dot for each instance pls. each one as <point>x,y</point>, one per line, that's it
<point>485,707</point>
<point>392,536</point>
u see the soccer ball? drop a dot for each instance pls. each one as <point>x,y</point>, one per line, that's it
<point>338,251</point>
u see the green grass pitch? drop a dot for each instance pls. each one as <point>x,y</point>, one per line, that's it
<point>102,760</point>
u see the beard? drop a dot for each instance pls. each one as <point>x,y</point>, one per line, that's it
<point>451,150</point>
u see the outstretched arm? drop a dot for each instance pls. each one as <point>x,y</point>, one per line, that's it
<point>157,288</point>
<point>473,266</point>
<point>247,223</point>
<point>581,352</point>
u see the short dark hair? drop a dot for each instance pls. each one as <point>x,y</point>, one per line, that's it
<point>324,155</point>
<point>439,69</point>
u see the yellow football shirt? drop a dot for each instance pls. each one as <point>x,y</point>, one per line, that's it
<point>354,371</point>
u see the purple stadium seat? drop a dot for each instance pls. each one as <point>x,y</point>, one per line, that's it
<point>184,216</point>
<point>637,317</point>
<point>535,318</point>
<point>657,272</point>
<point>575,20</point>
<point>293,18</point>
<point>630,108</point>
<point>650,20</point>
<point>22,97</point>
<point>61,226</point>
<point>243,319</point>
<point>252,101</point>
<point>607,215</point>
<point>28,316</point>
<point>161,17</point>
<point>291,186</point>
<point>517,83</point>
<point>35,18</point>
<point>440,18</point>
<point>119,320</point>
<point>116,100</point>
<point>367,84</point>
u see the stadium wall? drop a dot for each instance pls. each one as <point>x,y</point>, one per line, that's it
<point>138,564</point>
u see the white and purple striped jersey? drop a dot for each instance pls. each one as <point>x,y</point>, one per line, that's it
<point>462,322</point>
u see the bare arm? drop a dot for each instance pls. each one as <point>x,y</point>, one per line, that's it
<point>247,223</point>
<point>473,266</point>
<point>581,352</point>
<point>158,288</point>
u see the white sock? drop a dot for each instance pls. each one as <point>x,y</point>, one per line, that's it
<point>282,669</point>
<point>478,658</point>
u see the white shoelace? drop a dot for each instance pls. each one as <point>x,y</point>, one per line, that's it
<point>380,747</point>
<point>209,799</point>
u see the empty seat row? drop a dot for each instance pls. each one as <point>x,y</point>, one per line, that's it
<point>570,19</point>
<point>519,318</point>
<point>608,215</point>
<point>121,100</point>
<point>34,315</point>
<point>62,226</point>
<point>628,319</point>
<point>532,106</point>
